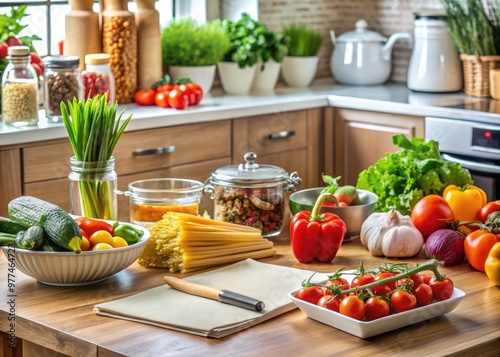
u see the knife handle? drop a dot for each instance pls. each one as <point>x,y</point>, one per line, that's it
<point>192,288</point>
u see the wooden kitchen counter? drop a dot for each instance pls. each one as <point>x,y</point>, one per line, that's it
<point>62,319</point>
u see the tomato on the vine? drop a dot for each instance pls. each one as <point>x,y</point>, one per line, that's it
<point>166,87</point>
<point>161,99</point>
<point>145,97</point>
<point>340,282</point>
<point>197,90</point>
<point>402,300</point>
<point>423,293</point>
<point>178,99</point>
<point>311,294</point>
<point>329,302</point>
<point>376,308</point>
<point>353,307</point>
<point>184,88</point>
<point>441,289</point>
<point>384,275</point>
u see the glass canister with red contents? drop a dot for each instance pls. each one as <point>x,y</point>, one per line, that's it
<point>252,194</point>
<point>97,76</point>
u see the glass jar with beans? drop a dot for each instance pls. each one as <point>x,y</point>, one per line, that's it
<point>97,77</point>
<point>62,83</point>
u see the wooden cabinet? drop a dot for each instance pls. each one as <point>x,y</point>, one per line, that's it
<point>290,140</point>
<point>356,139</point>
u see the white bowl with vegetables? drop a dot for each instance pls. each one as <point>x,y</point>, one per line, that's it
<point>69,266</point>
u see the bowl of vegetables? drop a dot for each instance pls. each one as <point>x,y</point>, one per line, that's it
<point>353,215</point>
<point>50,245</point>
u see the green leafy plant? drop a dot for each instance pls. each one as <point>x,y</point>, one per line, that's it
<point>274,47</point>
<point>472,31</point>
<point>187,43</point>
<point>93,130</point>
<point>302,41</point>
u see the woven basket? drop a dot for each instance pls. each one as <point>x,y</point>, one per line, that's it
<point>477,74</point>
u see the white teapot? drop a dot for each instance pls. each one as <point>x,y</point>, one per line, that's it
<point>363,57</point>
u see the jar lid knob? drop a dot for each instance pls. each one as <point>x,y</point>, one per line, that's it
<point>250,158</point>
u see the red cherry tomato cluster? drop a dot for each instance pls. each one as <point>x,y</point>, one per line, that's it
<point>377,293</point>
<point>36,61</point>
<point>179,95</point>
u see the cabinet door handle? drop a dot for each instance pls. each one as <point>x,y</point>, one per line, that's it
<point>155,151</point>
<point>281,134</point>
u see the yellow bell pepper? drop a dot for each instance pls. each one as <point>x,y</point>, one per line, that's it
<point>465,202</point>
<point>492,264</point>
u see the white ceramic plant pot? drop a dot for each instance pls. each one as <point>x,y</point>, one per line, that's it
<point>203,75</point>
<point>299,71</point>
<point>236,80</point>
<point>266,79</point>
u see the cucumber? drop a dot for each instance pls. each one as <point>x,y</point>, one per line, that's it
<point>7,225</point>
<point>60,228</point>
<point>7,239</point>
<point>32,238</point>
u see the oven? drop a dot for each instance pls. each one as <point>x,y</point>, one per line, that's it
<point>474,145</point>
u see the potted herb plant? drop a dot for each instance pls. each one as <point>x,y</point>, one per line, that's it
<point>237,70</point>
<point>192,50</point>
<point>300,65</point>
<point>271,54</point>
<point>475,30</point>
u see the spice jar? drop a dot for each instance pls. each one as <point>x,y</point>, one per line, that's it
<point>151,199</point>
<point>19,88</point>
<point>251,194</point>
<point>62,83</point>
<point>97,77</point>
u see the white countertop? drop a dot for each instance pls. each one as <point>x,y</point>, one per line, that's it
<point>390,98</point>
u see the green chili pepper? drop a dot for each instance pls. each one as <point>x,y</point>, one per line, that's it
<point>131,234</point>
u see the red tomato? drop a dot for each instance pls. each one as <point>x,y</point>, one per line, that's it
<point>342,283</point>
<point>477,246</point>
<point>402,300</point>
<point>13,41</point>
<point>197,90</point>
<point>487,209</point>
<point>441,290</point>
<point>364,279</point>
<point>376,308</point>
<point>417,280</point>
<point>3,50</point>
<point>35,58</point>
<point>381,290</point>
<point>145,97</point>
<point>353,307</point>
<point>423,293</point>
<point>178,99</point>
<point>329,302</point>
<point>427,278</point>
<point>184,88</point>
<point>384,275</point>
<point>311,294</point>
<point>431,213</point>
<point>167,87</point>
<point>161,99</point>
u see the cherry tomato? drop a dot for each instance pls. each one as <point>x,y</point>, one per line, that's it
<point>329,302</point>
<point>102,246</point>
<point>381,290</point>
<point>197,90</point>
<point>167,87</point>
<point>384,275</point>
<point>376,308</point>
<point>100,237</point>
<point>431,213</point>
<point>402,300</point>
<point>364,279</point>
<point>353,307</point>
<point>487,209</point>
<point>145,97</point>
<point>119,242</point>
<point>441,290</point>
<point>178,99</point>
<point>311,294</point>
<point>85,243</point>
<point>417,280</point>
<point>184,88</point>
<point>340,282</point>
<point>427,278</point>
<point>161,99</point>
<point>423,293</point>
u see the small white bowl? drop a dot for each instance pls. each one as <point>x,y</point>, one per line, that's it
<point>71,269</point>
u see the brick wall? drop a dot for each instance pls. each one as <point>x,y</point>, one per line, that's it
<point>383,16</point>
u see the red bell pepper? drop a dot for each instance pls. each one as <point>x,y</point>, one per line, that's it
<point>92,225</point>
<point>317,236</point>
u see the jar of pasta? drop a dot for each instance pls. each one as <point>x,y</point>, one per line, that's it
<point>151,199</point>
<point>19,88</point>
<point>62,83</point>
<point>252,194</point>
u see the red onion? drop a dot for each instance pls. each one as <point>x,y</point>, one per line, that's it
<point>445,245</point>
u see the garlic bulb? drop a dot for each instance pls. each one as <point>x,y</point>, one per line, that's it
<point>376,227</point>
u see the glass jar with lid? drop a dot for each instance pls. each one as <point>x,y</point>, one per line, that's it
<point>19,88</point>
<point>97,76</point>
<point>252,194</point>
<point>62,83</point>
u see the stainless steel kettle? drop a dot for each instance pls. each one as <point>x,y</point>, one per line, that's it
<point>435,64</point>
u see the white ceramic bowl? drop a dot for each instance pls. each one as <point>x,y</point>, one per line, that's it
<point>71,269</point>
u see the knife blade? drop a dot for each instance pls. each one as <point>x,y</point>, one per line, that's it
<point>224,296</point>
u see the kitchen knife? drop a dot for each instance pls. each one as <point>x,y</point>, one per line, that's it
<point>225,296</point>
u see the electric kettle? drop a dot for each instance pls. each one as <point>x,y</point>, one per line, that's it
<point>435,64</point>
